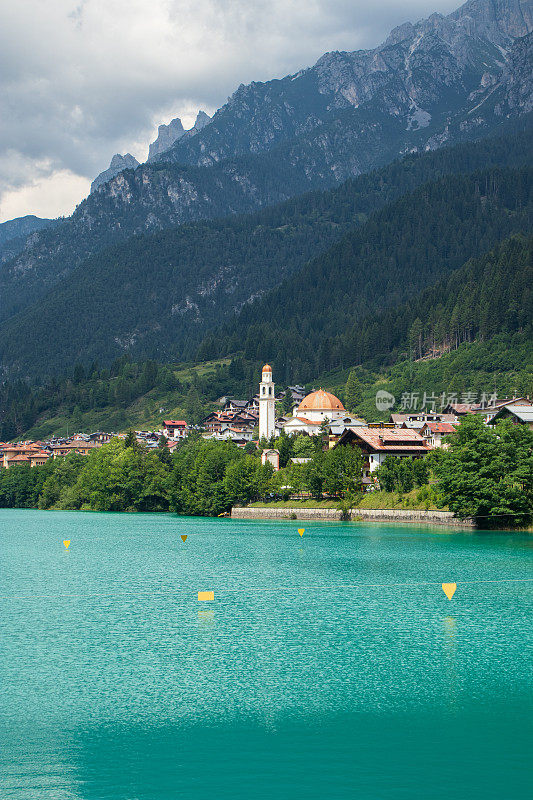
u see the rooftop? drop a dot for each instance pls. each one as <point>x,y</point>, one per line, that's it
<point>321,401</point>
<point>390,438</point>
<point>440,427</point>
<point>523,413</point>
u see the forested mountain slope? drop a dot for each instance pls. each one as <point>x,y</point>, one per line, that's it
<point>474,331</point>
<point>482,311</point>
<point>411,244</point>
<point>488,295</point>
<point>155,296</point>
<point>437,82</point>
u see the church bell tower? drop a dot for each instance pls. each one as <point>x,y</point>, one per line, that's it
<point>267,404</point>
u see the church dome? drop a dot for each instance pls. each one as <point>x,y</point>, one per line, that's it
<point>321,401</point>
<point>267,368</point>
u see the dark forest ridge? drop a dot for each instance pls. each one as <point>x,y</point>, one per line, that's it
<point>157,295</point>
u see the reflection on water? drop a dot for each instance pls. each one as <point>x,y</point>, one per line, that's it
<point>132,690</point>
<point>450,634</point>
<point>450,628</point>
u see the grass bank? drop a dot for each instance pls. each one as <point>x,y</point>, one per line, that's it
<point>372,500</point>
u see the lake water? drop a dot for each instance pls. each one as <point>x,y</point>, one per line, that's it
<point>329,666</point>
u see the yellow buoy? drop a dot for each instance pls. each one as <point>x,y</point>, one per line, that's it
<point>449,589</point>
<point>183,537</point>
<point>301,531</point>
<point>206,597</point>
<point>66,542</point>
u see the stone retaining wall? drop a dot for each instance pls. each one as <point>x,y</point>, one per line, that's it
<point>357,514</point>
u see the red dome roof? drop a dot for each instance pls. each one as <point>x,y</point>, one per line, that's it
<point>321,401</point>
<point>267,368</point>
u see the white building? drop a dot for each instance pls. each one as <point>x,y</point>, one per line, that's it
<point>315,409</point>
<point>267,404</point>
<point>175,428</point>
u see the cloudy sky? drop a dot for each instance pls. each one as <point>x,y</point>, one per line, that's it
<point>84,79</point>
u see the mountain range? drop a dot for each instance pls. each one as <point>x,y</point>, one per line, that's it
<point>161,238</point>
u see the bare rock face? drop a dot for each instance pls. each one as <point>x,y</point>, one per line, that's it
<point>170,134</point>
<point>118,163</point>
<point>518,80</point>
<point>495,20</point>
<point>166,136</point>
<point>202,119</point>
<point>424,71</point>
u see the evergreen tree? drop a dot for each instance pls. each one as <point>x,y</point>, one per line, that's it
<point>288,403</point>
<point>131,440</point>
<point>353,392</point>
<point>193,406</point>
<point>163,452</point>
<point>285,447</point>
<point>415,337</point>
<point>303,446</point>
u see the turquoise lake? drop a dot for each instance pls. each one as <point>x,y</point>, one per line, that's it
<point>329,666</point>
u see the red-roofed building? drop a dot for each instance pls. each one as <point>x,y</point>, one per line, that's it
<point>218,422</point>
<point>18,458</point>
<point>378,443</point>
<point>18,453</point>
<point>175,428</point>
<point>434,432</point>
<point>301,424</point>
<point>38,459</point>
<point>74,446</point>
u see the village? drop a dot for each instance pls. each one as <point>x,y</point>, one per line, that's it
<point>260,420</point>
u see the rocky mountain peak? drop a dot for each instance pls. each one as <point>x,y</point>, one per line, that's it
<point>166,136</point>
<point>127,161</point>
<point>399,34</point>
<point>202,119</point>
<point>118,163</point>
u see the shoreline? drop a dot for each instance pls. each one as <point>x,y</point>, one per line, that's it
<point>405,516</point>
<point>446,518</point>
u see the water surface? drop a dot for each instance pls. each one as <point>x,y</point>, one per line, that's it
<point>329,666</point>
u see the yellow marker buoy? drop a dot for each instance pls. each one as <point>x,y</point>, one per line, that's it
<point>449,589</point>
<point>183,537</point>
<point>206,597</point>
<point>301,531</point>
<point>66,542</point>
